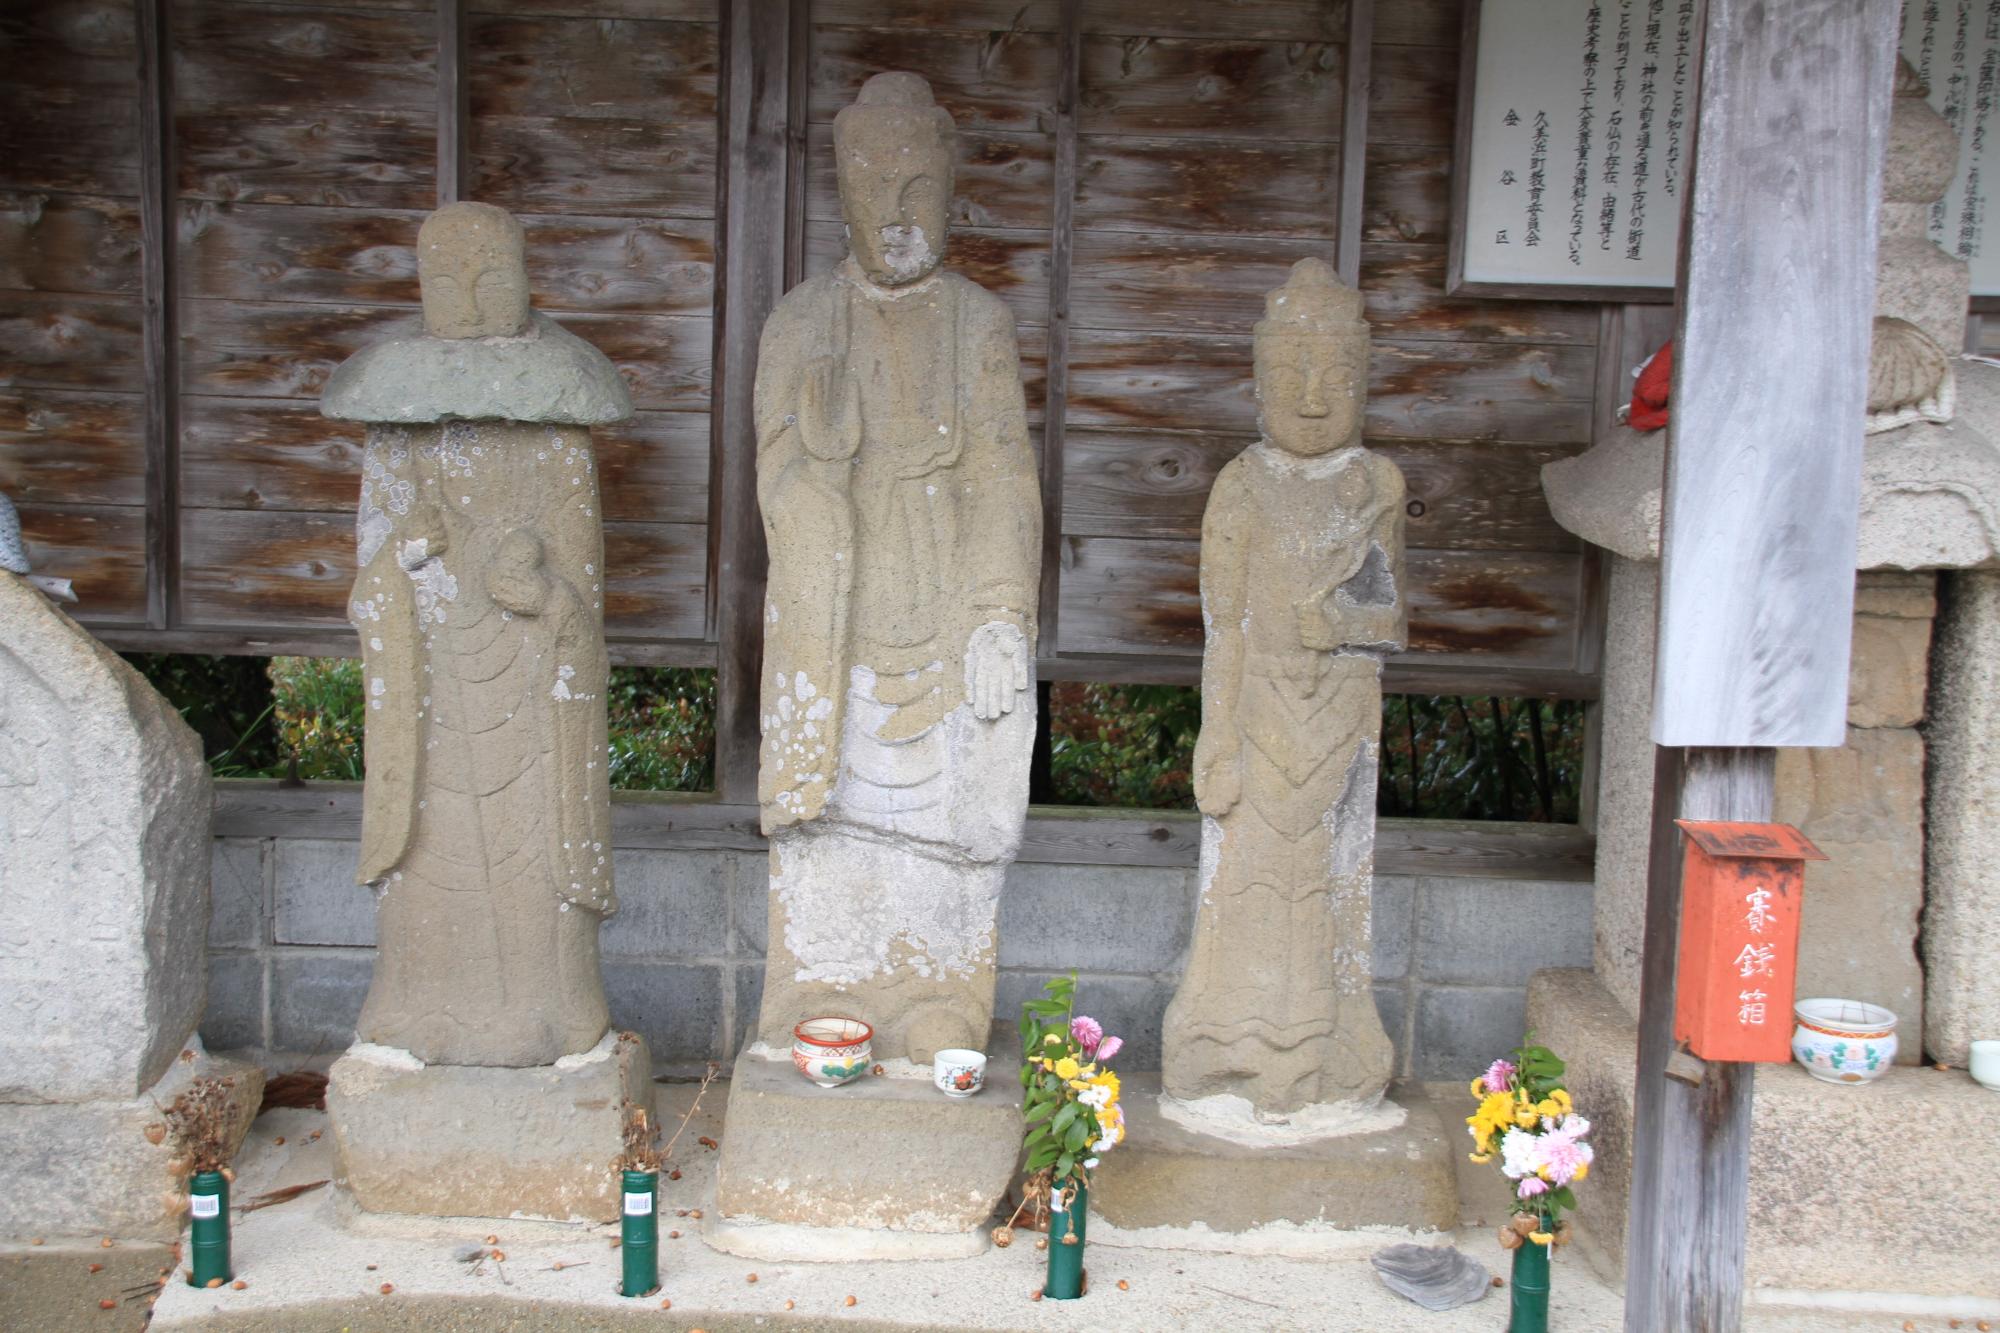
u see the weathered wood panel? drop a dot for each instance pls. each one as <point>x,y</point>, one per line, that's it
<point>283,567</point>
<point>1013,265</point>
<point>1258,20</point>
<point>678,11</point>
<point>101,549</point>
<point>1407,196</point>
<point>593,164</point>
<point>1002,180</point>
<point>286,350</point>
<point>69,342</point>
<point>263,453</point>
<point>235,55</point>
<point>349,256</point>
<point>1462,496</point>
<point>354,158</point>
<point>60,447</point>
<point>1404,285</point>
<point>621,68</point>
<point>1000,79</point>
<point>69,115</point>
<point>1421,390</point>
<point>1235,187</point>
<point>1419,23</point>
<point>1413,95</point>
<point>1212,90</point>
<point>1122,595</point>
<point>68,243</point>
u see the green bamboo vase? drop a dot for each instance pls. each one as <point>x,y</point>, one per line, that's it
<point>1065,1279</point>
<point>1528,1296</point>
<point>639,1236</point>
<point>208,1205</point>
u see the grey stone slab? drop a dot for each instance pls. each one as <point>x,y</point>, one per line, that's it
<point>316,999</point>
<point>749,984</point>
<point>749,904</point>
<point>1491,932</point>
<point>676,1007</point>
<point>1095,918</point>
<point>1461,1030</point>
<point>236,894</point>
<point>1393,1004</point>
<point>1130,1007</point>
<point>1391,923</point>
<point>670,904</point>
<point>315,899</point>
<point>234,1019</point>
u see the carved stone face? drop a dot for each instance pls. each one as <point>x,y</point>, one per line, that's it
<point>1310,390</point>
<point>473,273</point>
<point>893,154</point>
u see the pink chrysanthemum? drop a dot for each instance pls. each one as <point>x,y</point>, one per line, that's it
<point>1087,1033</point>
<point>1497,1075</point>
<point>1109,1047</point>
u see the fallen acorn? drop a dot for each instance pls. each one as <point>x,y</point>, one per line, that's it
<point>97,1268</point>
<point>666,1304</point>
<point>1123,1285</point>
<point>387,1287</point>
<point>1035,1295</point>
<point>492,1240</point>
<point>107,1304</point>
<point>706,1141</point>
<point>673,1235</point>
<point>694,1213</point>
<point>789,1304</point>
<point>36,1241</point>
<point>371,1268</point>
<point>278,1142</point>
<point>848,1302</point>
<point>499,1256</point>
<point>1041,1242</point>
<point>674,1174</point>
<point>104,1244</point>
<point>1499,1281</point>
<point>239,1284</point>
<point>751,1278</point>
<point>215,1282</point>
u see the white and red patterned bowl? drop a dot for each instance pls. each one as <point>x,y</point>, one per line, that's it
<point>1843,1041</point>
<point>832,1051</point>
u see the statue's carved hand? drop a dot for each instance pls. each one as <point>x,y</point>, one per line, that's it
<point>1218,769</point>
<point>515,578</point>
<point>996,669</point>
<point>422,537</point>
<point>829,410</point>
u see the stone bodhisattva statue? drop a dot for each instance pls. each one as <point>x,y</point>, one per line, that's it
<point>486,820</point>
<point>1301,574</point>
<point>904,524</point>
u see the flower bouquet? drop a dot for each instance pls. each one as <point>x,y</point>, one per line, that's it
<point>1073,1116</point>
<point>1526,1119</point>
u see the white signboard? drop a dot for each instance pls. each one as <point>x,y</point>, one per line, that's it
<point>1955,47</point>
<point>1581,130</point>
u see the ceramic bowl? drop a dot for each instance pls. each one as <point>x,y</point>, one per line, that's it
<point>958,1073</point>
<point>832,1051</point>
<point>1844,1041</point>
<point>1985,1065</point>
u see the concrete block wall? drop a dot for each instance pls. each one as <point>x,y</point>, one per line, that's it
<point>291,948</point>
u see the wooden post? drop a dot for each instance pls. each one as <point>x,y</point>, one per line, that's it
<point>1776,298</point>
<point>454,156</point>
<point>1055,402</point>
<point>749,277</point>
<point>159,346</point>
<point>1358,74</point>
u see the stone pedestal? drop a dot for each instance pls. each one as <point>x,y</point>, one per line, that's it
<point>885,1167</point>
<point>485,1141</point>
<point>1166,1175</point>
<point>87,1167</point>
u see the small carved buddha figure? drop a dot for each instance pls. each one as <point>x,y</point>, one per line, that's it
<point>1301,572</point>
<point>486,813</point>
<point>904,523</point>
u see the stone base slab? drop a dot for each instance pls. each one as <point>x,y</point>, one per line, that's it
<point>1164,1175</point>
<point>88,1169</point>
<point>878,1155</point>
<point>478,1141</point>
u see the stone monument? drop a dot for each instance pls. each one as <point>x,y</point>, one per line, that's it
<point>105,858</point>
<point>904,524</point>
<point>1275,1060</point>
<point>486,813</point>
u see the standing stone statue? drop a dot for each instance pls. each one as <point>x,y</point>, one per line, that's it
<point>1301,573</point>
<point>904,525</point>
<point>486,815</point>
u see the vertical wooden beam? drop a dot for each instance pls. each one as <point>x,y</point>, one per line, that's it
<point>753,104</point>
<point>1975,333</point>
<point>159,350</point>
<point>1062,244</point>
<point>797,110</point>
<point>454,118</point>
<point>1354,138</point>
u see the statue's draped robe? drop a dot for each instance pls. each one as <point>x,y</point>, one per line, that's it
<point>902,514</point>
<point>486,826</point>
<point>1300,600</point>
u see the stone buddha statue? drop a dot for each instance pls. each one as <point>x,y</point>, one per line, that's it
<point>1301,591</point>
<point>904,525</point>
<point>486,815</point>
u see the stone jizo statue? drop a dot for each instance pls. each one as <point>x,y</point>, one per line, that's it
<point>904,525</point>
<point>479,602</point>
<point>1301,591</point>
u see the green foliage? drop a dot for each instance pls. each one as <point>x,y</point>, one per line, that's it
<point>1123,745</point>
<point>320,716</point>
<point>1061,1128</point>
<point>227,700</point>
<point>662,728</point>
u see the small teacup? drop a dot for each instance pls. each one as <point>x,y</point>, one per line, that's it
<point>832,1051</point>
<point>958,1073</point>
<point>1985,1064</point>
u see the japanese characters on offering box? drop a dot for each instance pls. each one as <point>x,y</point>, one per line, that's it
<point>1955,47</point>
<point>1740,892</point>
<point>1581,134</point>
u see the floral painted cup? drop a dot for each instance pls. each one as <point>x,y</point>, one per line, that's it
<point>958,1073</point>
<point>832,1051</point>
<point>1844,1041</point>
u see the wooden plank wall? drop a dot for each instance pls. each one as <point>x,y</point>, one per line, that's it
<point>1134,175</point>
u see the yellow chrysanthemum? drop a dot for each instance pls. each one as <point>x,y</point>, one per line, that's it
<point>1066,1068</point>
<point>1582,1170</point>
<point>1526,1117</point>
<point>1548,1107</point>
<point>1479,1086</point>
<point>1560,1096</point>
<point>1481,1157</point>
<point>1107,1079</point>
<point>1541,1237</point>
<point>1495,1113</point>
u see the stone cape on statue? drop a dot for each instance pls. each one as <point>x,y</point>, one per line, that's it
<point>903,519</point>
<point>486,810</point>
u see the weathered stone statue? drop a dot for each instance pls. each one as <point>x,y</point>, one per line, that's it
<point>1301,572</point>
<point>904,526</point>
<point>486,819</point>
